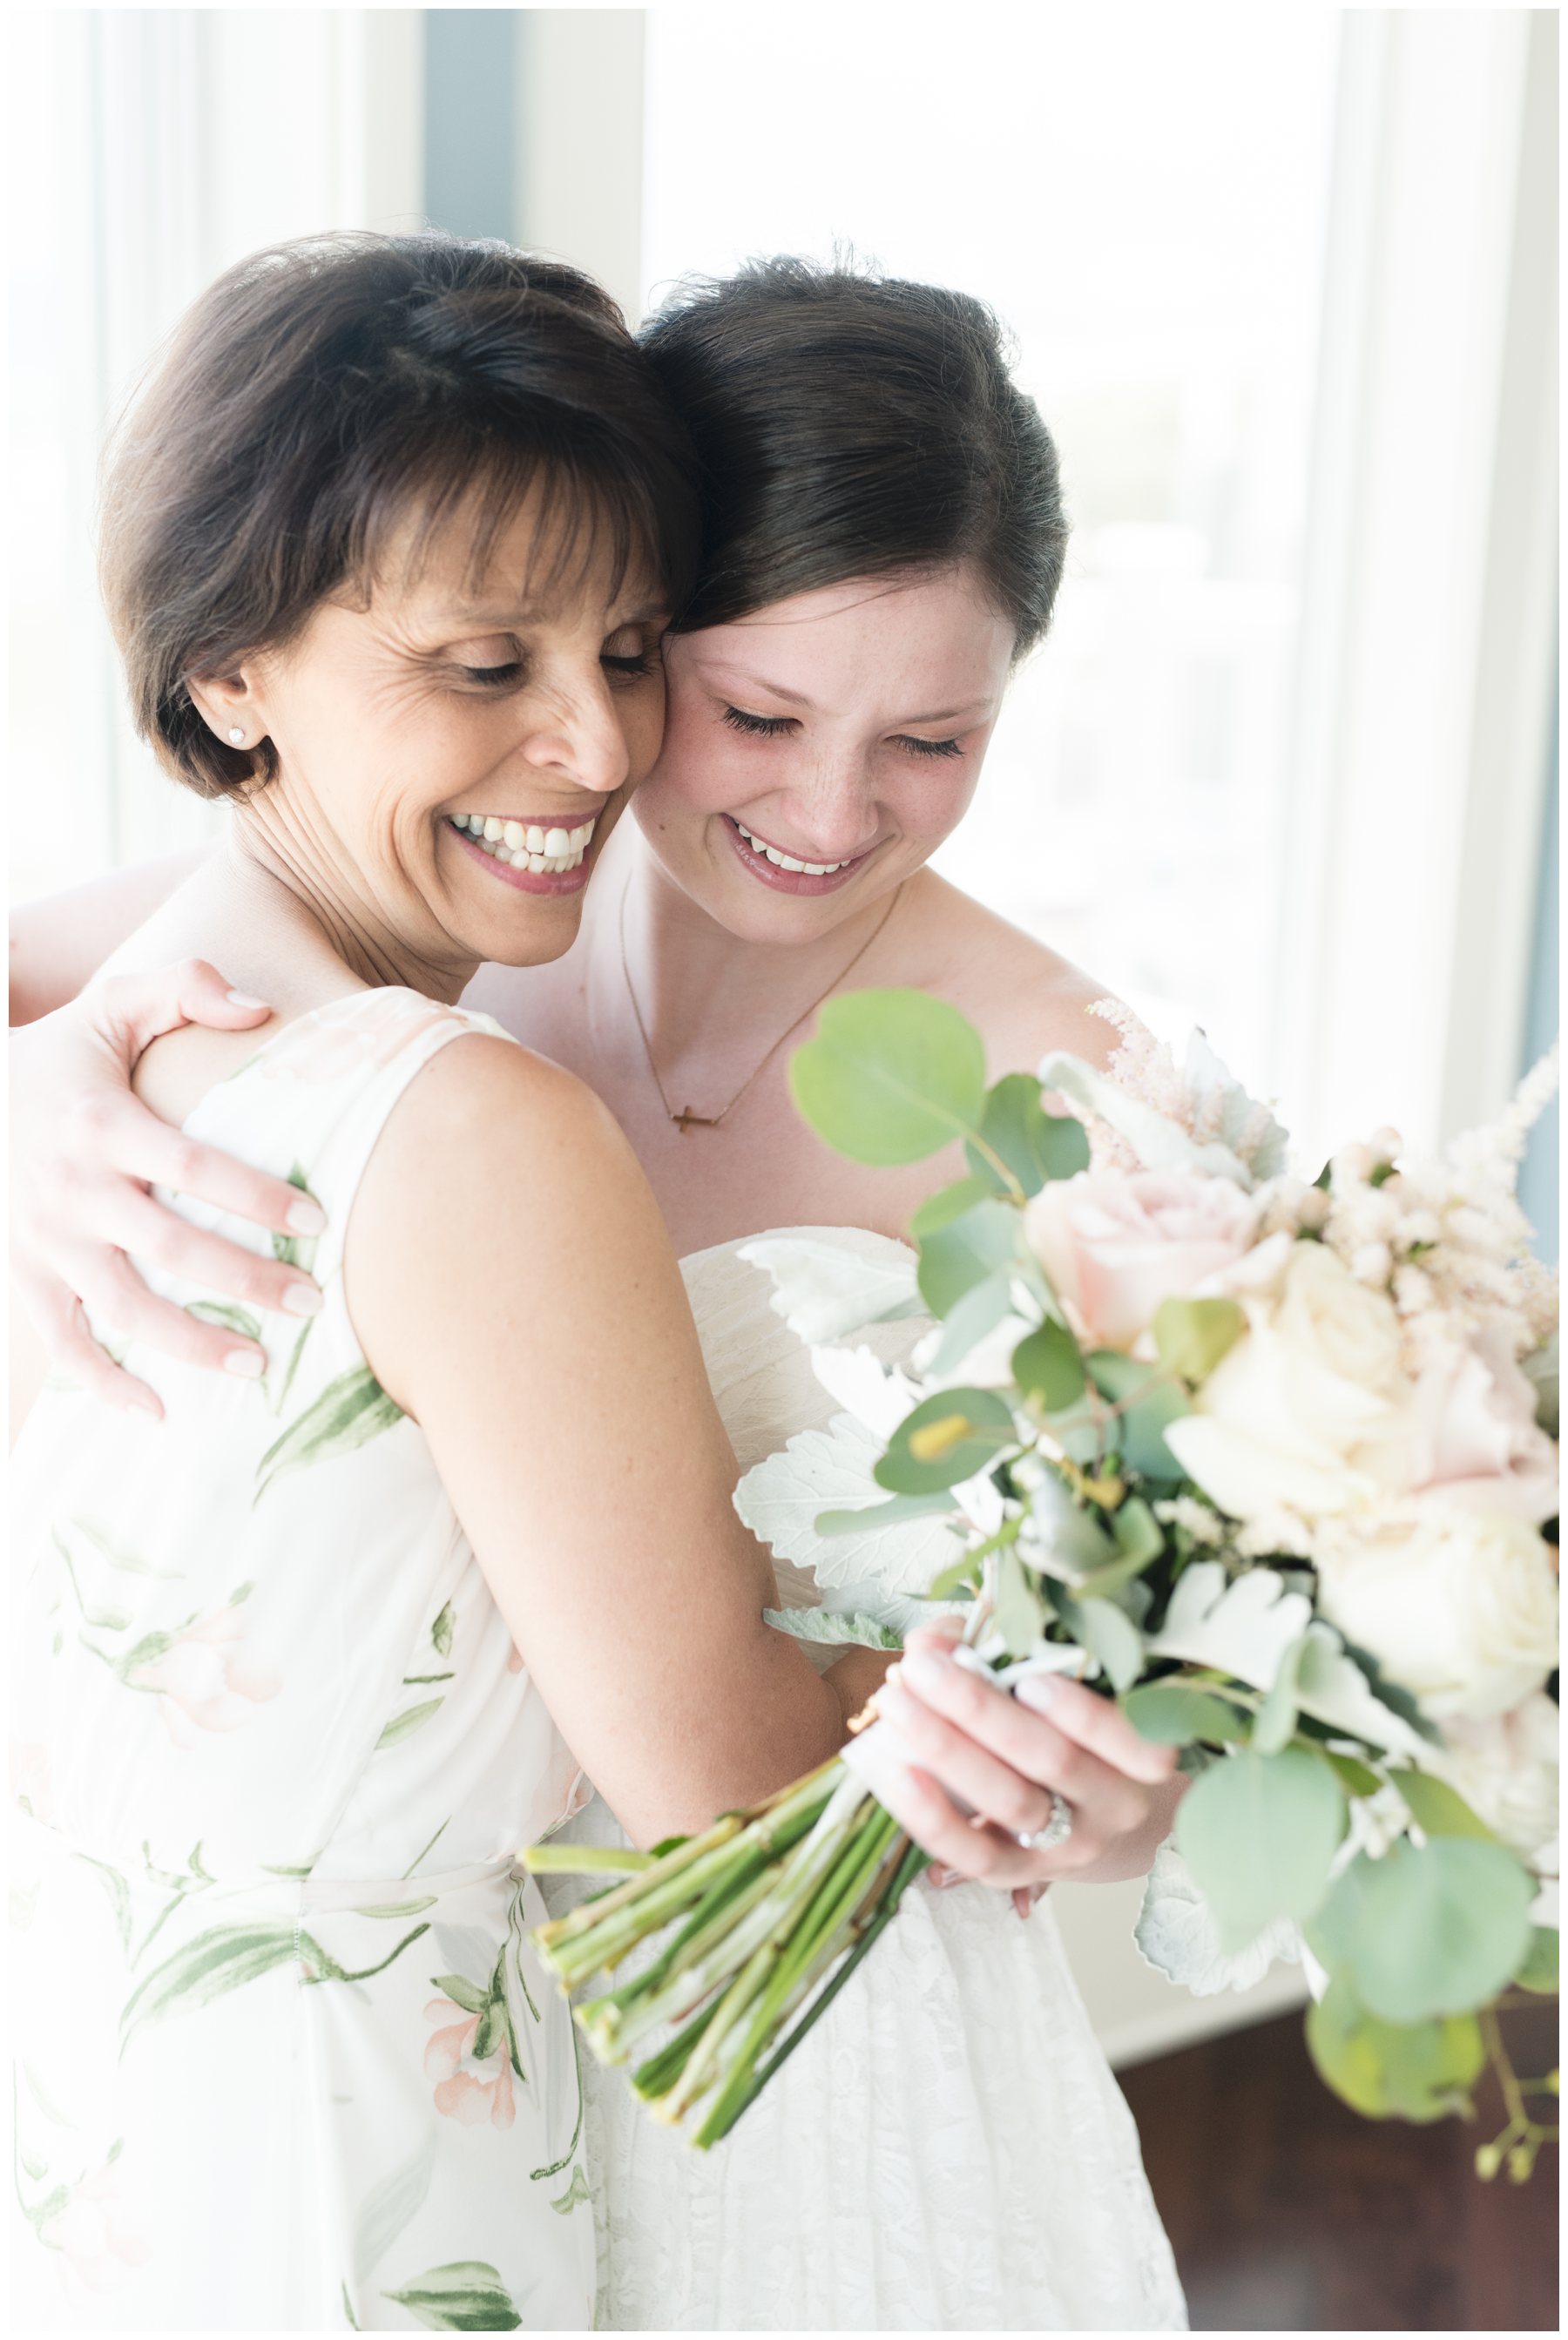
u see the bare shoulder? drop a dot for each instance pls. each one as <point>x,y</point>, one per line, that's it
<point>1023,997</point>
<point>489,1121</point>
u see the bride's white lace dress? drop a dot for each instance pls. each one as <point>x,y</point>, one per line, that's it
<point>948,2150</point>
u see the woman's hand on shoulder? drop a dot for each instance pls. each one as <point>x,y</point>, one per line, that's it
<point>84,1152</point>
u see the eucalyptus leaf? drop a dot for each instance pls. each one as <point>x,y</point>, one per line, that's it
<point>1148,1404</point>
<point>1137,1532</point>
<point>1428,1929</point>
<point>1259,1833</point>
<point>1537,1970</point>
<point>971,1249</point>
<point>1020,1613</point>
<point>949,1437</point>
<point>890,1076</point>
<point>1418,2072</point>
<point>1033,1144</point>
<point>1437,1809</point>
<point>1174,1713</point>
<point>1108,1635</point>
<point>1048,1367</point>
<point>949,1202</point>
<point>979,1312</point>
<point>1276,1723</point>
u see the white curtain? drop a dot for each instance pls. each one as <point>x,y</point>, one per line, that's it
<point>150,148</point>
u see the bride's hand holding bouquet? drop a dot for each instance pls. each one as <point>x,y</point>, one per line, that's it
<point>1266,1461</point>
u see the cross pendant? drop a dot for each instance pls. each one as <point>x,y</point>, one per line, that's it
<point>686,1119</point>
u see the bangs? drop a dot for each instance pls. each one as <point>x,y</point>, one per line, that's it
<point>590,526</point>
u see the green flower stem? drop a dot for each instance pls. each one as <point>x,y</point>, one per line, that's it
<point>603,2018</point>
<point>909,1869</point>
<point>767,1924</point>
<point>837,1897</point>
<point>584,1860</point>
<point>661,2071</point>
<point>604,1930</point>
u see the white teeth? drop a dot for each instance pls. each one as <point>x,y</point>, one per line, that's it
<point>511,842</point>
<point>788,860</point>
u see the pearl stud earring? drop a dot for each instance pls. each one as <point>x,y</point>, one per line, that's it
<point>237,736</point>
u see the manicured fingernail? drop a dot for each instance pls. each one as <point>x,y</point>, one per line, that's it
<point>306,1218</point>
<point>303,1300</point>
<point>143,1402</point>
<point>925,1670</point>
<point>249,1364</point>
<point>1039,1691</point>
<point>244,999</point>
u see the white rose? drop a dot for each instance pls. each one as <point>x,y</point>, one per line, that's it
<point>1506,1770</point>
<point>1297,1416</point>
<point>1460,1606</point>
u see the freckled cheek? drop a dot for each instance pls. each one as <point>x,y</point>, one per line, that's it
<point>928,807</point>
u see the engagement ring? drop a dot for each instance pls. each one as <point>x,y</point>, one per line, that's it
<point>1057,1829</point>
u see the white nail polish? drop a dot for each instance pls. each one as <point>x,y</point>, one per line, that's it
<point>306,1218</point>
<point>249,1364</point>
<point>244,999</point>
<point>303,1300</point>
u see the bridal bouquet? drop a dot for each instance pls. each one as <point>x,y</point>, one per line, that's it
<point>1269,1460</point>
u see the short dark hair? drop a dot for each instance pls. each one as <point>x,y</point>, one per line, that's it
<point>324,391</point>
<point>852,424</point>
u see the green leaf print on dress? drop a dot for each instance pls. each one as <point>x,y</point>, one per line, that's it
<point>226,1958</point>
<point>349,1412</point>
<point>468,2296</point>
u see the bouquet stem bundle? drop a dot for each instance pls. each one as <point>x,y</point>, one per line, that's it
<point>767,1914</point>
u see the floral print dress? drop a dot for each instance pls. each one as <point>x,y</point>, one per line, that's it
<point>284,2058</point>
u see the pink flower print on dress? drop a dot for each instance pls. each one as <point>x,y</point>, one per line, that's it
<point>467,2089</point>
<point>202,1681</point>
<point>99,2243</point>
<point>31,1786</point>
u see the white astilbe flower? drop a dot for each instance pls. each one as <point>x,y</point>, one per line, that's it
<point>1445,1235</point>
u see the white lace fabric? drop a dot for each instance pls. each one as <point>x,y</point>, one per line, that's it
<point>948,2150</point>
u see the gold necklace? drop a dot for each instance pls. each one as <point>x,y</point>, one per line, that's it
<point>686,1119</point>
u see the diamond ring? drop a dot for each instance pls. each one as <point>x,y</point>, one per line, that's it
<point>1057,1829</point>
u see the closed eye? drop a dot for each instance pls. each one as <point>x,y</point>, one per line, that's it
<point>930,747</point>
<point>759,727</point>
<point>494,676</point>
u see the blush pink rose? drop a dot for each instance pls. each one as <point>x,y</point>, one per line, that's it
<point>1115,1243</point>
<point>1474,1436</point>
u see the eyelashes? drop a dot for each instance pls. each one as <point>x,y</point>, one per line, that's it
<point>774,727</point>
<point>504,677</point>
<point>758,727</point>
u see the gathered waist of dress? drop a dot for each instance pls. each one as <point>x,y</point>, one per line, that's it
<point>295,1889</point>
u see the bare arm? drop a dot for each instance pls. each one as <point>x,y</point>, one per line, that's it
<point>59,943</point>
<point>516,1293</point>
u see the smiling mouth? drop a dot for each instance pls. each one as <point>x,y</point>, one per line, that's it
<point>543,848</point>
<point>790,861</point>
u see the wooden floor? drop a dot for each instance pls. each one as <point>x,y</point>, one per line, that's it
<point>1287,2212</point>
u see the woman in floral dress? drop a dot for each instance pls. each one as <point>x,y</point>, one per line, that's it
<point>389,548</point>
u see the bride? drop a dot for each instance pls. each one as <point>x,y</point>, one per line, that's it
<point>883,536</point>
